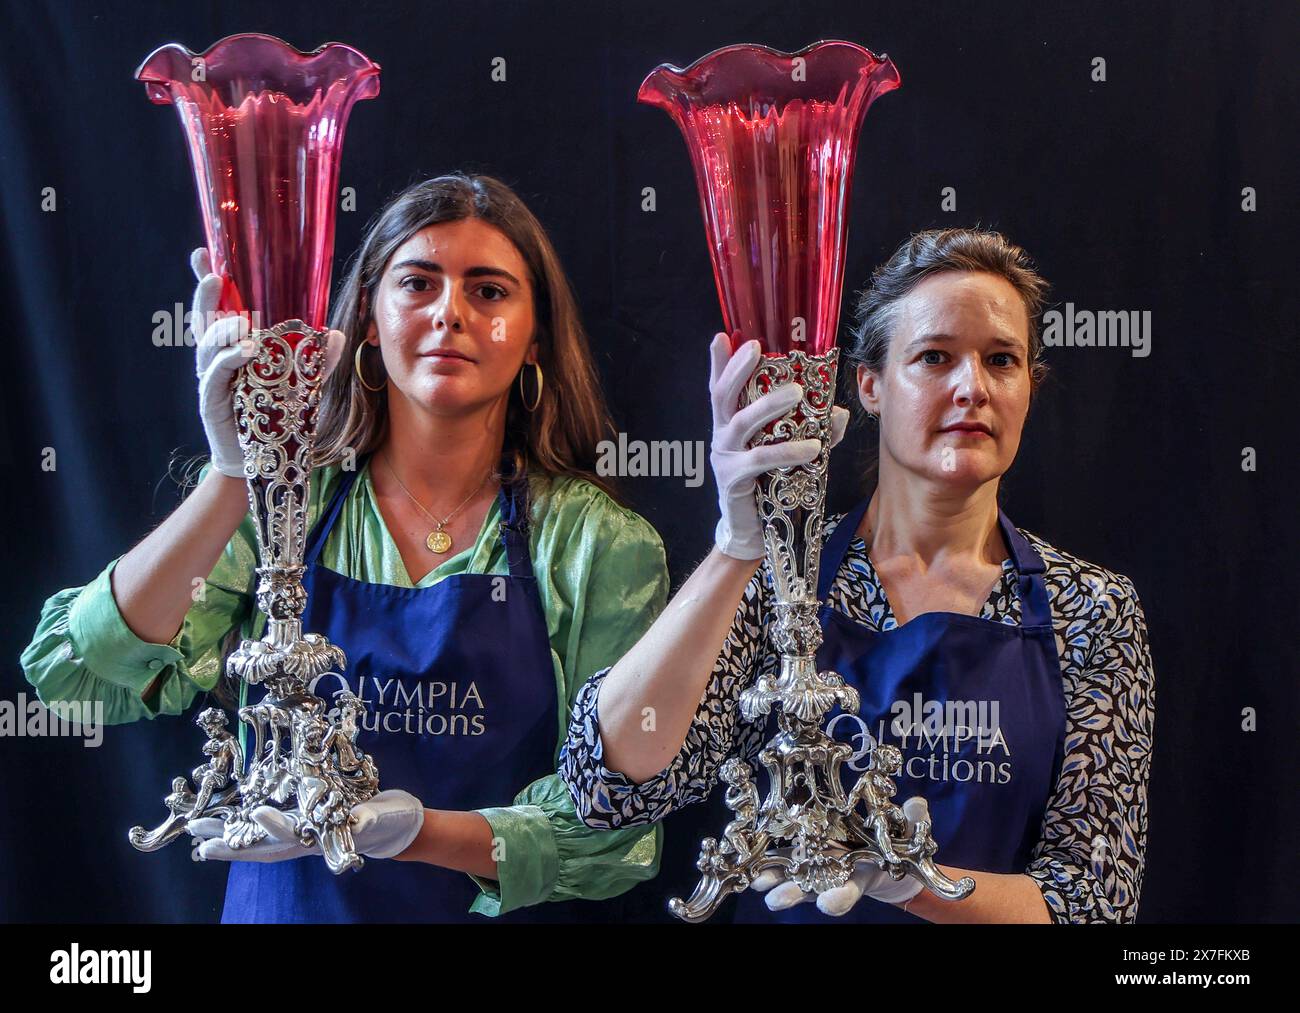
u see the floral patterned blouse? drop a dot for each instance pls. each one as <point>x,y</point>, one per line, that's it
<point>1091,853</point>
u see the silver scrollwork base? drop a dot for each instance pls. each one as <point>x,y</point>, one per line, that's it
<point>304,761</point>
<point>808,827</point>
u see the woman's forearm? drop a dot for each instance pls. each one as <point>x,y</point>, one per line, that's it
<point>997,899</point>
<point>455,840</point>
<point>649,698</point>
<point>154,583</point>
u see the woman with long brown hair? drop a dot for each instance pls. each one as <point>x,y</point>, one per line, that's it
<point>462,551</point>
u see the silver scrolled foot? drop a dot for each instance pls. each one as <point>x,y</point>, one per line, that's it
<point>304,763</point>
<point>216,791</point>
<point>722,877</point>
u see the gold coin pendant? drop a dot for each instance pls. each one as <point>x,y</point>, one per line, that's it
<point>438,541</point>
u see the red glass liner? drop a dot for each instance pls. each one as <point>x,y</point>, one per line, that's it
<point>772,137</point>
<point>265,125</point>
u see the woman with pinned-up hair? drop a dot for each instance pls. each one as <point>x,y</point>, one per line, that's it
<point>935,606</point>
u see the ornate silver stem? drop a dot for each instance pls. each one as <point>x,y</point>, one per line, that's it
<point>319,773</point>
<point>808,826</point>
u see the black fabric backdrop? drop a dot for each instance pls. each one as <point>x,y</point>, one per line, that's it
<point>1128,192</point>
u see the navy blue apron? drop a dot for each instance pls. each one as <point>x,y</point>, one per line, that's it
<point>462,712</point>
<point>987,773</point>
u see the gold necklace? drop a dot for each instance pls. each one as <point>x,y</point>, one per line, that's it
<point>437,540</point>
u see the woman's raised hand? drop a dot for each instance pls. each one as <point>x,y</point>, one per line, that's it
<point>735,464</point>
<point>220,350</point>
<point>223,346</point>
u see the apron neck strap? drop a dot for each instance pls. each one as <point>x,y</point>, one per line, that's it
<point>326,522</point>
<point>837,546</point>
<point>513,501</point>
<point>1035,607</point>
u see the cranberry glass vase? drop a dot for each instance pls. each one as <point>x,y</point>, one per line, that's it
<point>772,138</point>
<point>264,125</point>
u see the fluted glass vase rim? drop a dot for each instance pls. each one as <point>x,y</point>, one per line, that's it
<point>768,56</point>
<point>353,65</point>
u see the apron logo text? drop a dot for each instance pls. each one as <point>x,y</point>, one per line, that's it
<point>416,708</point>
<point>953,740</point>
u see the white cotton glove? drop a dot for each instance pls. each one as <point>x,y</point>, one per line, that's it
<point>222,345</point>
<point>735,465</point>
<point>383,827</point>
<point>866,880</point>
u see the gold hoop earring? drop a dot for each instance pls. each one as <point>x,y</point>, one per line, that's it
<point>356,365</point>
<point>524,397</point>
